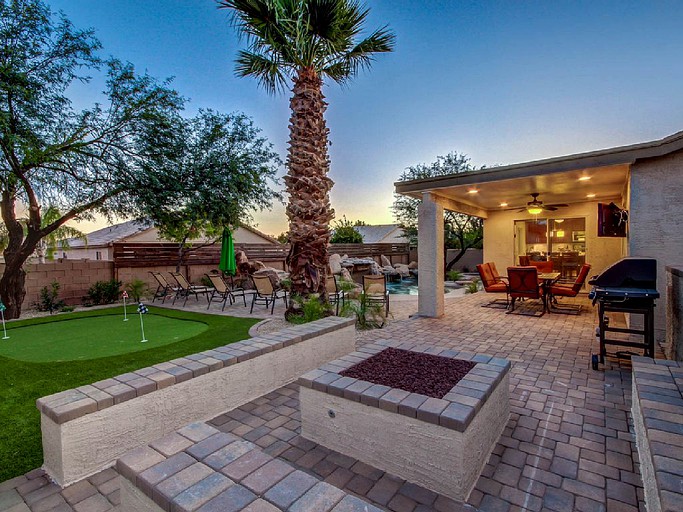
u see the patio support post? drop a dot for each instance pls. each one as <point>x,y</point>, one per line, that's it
<point>430,301</point>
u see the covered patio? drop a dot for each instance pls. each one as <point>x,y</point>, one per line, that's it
<point>644,179</point>
<point>568,444</point>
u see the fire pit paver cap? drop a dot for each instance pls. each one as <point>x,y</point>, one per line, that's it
<point>455,410</point>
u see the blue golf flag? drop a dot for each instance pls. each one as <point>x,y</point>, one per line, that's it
<point>142,309</point>
<point>2,306</point>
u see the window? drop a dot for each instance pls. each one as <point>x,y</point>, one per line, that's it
<point>560,240</point>
<point>98,255</point>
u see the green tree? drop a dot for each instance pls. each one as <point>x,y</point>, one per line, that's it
<point>461,231</point>
<point>345,233</point>
<point>306,41</point>
<point>79,162</point>
<point>216,175</point>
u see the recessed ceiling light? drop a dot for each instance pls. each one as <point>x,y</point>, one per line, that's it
<point>503,205</point>
<point>590,195</point>
<point>584,178</point>
<point>472,191</point>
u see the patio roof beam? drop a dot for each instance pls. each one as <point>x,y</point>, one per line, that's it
<point>460,207</point>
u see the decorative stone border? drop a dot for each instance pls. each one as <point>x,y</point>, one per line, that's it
<point>658,421</point>
<point>441,444</point>
<point>199,468</point>
<point>86,429</point>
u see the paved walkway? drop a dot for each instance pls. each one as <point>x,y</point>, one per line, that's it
<point>568,444</point>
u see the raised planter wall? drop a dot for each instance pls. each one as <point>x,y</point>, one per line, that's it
<point>86,429</point>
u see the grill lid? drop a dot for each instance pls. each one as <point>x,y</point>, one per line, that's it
<point>632,272</point>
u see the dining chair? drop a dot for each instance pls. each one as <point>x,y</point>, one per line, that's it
<point>334,294</point>
<point>375,290</point>
<point>266,293</point>
<point>523,284</point>
<point>563,290</point>
<point>493,283</point>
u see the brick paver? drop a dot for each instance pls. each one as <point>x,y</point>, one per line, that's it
<point>568,444</point>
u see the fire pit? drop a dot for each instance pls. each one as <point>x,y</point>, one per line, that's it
<point>426,414</point>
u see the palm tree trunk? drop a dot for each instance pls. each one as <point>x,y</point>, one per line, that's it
<point>308,186</point>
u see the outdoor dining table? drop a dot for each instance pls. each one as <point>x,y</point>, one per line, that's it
<point>546,280</point>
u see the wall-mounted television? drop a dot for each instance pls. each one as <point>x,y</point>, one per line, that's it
<point>612,220</point>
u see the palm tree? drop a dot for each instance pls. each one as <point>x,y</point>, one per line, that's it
<point>305,41</point>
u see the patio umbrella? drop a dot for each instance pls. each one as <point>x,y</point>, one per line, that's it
<point>227,263</point>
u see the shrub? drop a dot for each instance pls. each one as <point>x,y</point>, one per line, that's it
<point>103,292</point>
<point>67,309</point>
<point>368,316</point>
<point>473,287</point>
<point>136,289</point>
<point>454,275</point>
<point>310,309</point>
<point>49,300</point>
<point>345,233</point>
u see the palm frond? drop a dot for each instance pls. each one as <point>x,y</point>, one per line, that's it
<point>268,72</point>
<point>360,56</point>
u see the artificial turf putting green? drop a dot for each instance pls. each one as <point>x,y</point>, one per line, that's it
<point>73,339</point>
<point>22,382</point>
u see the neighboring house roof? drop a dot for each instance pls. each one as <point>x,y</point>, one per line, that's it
<point>105,236</point>
<point>382,234</point>
<point>120,232</point>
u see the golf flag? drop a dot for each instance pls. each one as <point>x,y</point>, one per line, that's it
<point>125,312</point>
<point>2,312</point>
<point>142,310</point>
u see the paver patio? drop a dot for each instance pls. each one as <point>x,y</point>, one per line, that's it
<point>568,444</point>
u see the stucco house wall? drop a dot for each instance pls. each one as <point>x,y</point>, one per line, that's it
<point>656,220</point>
<point>499,242</point>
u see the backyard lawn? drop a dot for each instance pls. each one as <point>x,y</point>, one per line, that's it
<point>50,354</point>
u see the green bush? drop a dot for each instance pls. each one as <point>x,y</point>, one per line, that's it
<point>136,289</point>
<point>368,316</point>
<point>454,275</point>
<point>49,300</point>
<point>103,292</point>
<point>473,287</point>
<point>345,233</point>
<point>310,309</point>
<point>67,309</point>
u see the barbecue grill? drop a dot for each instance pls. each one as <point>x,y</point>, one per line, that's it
<point>628,286</point>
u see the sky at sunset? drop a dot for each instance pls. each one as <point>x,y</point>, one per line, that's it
<point>502,82</point>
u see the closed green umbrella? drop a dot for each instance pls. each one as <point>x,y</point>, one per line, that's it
<point>227,263</point>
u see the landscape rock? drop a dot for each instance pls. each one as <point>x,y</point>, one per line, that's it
<point>335,264</point>
<point>412,265</point>
<point>386,262</point>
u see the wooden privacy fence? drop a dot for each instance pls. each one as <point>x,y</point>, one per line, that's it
<point>397,253</point>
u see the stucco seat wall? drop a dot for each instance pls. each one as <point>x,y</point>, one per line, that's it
<point>81,441</point>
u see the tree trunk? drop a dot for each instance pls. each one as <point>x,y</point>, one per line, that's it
<point>12,291</point>
<point>308,186</point>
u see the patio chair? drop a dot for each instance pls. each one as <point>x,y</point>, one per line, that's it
<point>266,293</point>
<point>334,294</point>
<point>236,291</point>
<point>375,291</point>
<point>542,266</point>
<point>186,288</point>
<point>523,283</point>
<point>493,283</point>
<point>524,261</point>
<point>164,288</point>
<point>220,290</point>
<point>562,290</point>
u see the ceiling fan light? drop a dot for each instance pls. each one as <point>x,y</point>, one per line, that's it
<point>560,233</point>
<point>534,210</point>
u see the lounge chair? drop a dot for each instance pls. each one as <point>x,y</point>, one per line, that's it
<point>236,291</point>
<point>266,293</point>
<point>186,289</point>
<point>220,291</point>
<point>493,283</point>
<point>523,284</point>
<point>563,290</point>
<point>334,294</point>
<point>164,288</point>
<point>375,291</point>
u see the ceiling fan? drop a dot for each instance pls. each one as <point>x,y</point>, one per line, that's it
<point>534,207</point>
